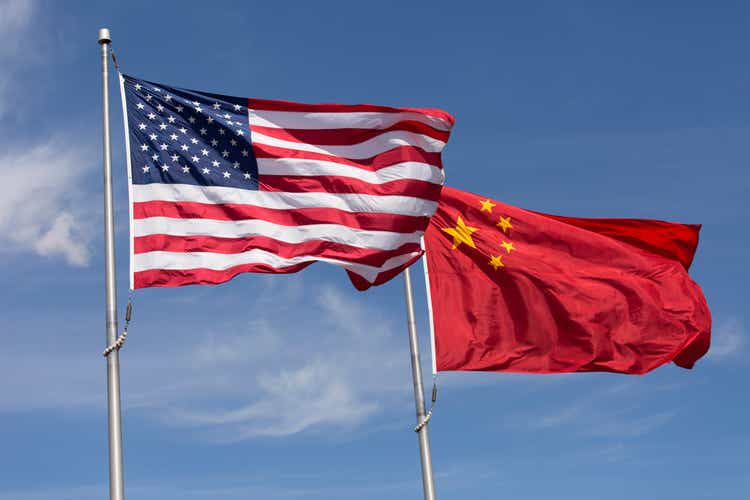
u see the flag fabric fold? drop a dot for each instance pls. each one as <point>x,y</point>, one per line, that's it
<point>520,291</point>
<point>224,185</point>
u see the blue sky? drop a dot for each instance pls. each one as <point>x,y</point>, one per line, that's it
<point>299,386</point>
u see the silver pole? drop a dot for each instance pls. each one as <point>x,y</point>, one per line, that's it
<point>416,373</point>
<point>116,487</point>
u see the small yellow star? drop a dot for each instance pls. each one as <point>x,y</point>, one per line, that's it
<point>505,224</point>
<point>487,205</point>
<point>496,261</point>
<point>508,246</point>
<point>461,233</point>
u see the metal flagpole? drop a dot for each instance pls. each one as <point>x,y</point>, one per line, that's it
<point>416,372</point>
<point>116,487</point>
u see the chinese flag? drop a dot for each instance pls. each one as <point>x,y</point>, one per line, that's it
<point>519,291</point>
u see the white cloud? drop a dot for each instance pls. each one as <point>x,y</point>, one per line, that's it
<point>319,368</point>
<point>727,340</point>
<point>336,362</point>
<point>40,179</point>
<point>38,208</point>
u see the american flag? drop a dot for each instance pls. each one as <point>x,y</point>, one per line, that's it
<point>226,185</point>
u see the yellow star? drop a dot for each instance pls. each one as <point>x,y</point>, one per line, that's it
<point>487,205</point>
<point>505,224</point>
<point>508,246</point>
<point>461,233</point>
<point>496,261</point>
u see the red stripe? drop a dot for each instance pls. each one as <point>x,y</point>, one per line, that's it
<point>362,284</point>
<point>182,277</point>
<point>295,217</point>
<point>347,136</point>
<point>270,105</point>
<point>386,159</point>
<point>344,185</point>
<point>315,248</point>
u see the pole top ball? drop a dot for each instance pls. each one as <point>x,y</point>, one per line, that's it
<point>104,35</point>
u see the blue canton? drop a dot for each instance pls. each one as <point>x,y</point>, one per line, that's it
<point>180,136</point>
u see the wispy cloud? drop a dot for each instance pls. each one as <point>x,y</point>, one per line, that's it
<point>335,363</point>
<point>40,178</point>
<point>728,339</point>
<point>38,209</point>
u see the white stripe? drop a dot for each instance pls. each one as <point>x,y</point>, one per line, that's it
<point>376,240</point>
<point>323,121</point>
<point>362,203</point>
<point>220,262</point>
<point>411,170</point>
<point>129,171</point>
<point>365,149</point>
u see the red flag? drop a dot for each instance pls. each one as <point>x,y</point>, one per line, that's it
<point>520,291</point>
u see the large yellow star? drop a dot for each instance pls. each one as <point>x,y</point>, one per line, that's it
<point>461,233</point>
<point>508,246</point>
<point>505,224</point>
<point>487,205</point>
<point>496,261</point>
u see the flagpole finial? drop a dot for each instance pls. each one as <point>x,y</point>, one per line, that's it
<point>104,35</point>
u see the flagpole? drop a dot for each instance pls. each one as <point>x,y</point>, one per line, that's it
<point>416,372</point>
<point>116,487</point>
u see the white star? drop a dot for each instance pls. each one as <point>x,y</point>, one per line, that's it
<point>139,105</point>
<point>214,142</point>
<point>152,137</point>
<point>195,159</point>
<point>157,89</point>
<point>138,86</point>
<point>175,157</point>
<point>196,103</point>
<point>163,146</point>
<point>215,163</point>
<point>142,126</point>
<point>148,97</point>
<point>144,147</point>
<point>236,164</point>
<point>162,126</point>
<point>186,169</point>
<point>210,120</point>
<point>168,98</point>
<point>237,107</point>
<point>226,175</point>
<point>179,109</point>
<point>184,147</point>
<point>206,171</point>
<point>155,157</point>
<point>171,119</point>
<point>173,137</point>
<point>145,168</point>
<point>227,116</point>
<point>199,109</point>
<point>240,132</point>
<point>225,153</point>
<point>203,131</point>
<point>194,140</point>
<point>247,175</point>
<point>221,131</point>
<point>244,152</point>
<point>191,119</point>
<point>205,152</point>
<point>164,168</point>
<point>151,116</point>
<point>233,142</point>
<point>183,130</point>
<point>216,105</point>
<point>160,108</point>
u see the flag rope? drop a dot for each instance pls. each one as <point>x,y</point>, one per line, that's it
<point>432,405</point>
<point>117,345</point>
